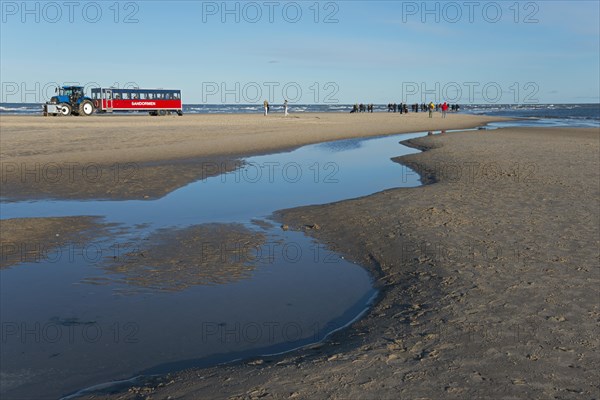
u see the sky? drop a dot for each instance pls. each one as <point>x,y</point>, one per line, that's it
<point>321,52</point>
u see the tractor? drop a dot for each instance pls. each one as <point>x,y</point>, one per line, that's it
<point>70,100</point>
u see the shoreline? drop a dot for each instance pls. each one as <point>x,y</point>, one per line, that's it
<point>421,291</point>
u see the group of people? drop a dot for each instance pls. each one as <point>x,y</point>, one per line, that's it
<point>431,107</point>
<point>267,107</point>
<point>362,108</point>
<point>436,107</point>
<point>402,108</point>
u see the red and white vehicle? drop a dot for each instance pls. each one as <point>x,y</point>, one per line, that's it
<point>154,101</point>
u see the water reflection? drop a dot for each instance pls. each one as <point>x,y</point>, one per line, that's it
<point>176,259</point>
<point>204,278</point>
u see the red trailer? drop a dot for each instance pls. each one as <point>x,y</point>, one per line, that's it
<point>154,101</point>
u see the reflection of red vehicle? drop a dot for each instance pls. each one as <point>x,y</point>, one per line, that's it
<point>155,101</point>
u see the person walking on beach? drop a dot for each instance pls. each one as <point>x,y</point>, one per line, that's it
<point>431,108</point>
<point>285,108</point>
<point>444,109</point>
<point>266,105</point>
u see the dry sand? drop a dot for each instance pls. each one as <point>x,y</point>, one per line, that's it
<point>489,282</point>
<point>141,157</point>
<point>140,138</point>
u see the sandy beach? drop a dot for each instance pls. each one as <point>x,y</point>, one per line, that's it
<point>488,274</point>
<point>237,209</point>
<point>488,282</point>
<point>139,138</point>
<point>138,157</point>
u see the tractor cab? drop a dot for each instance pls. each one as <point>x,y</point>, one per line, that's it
<point>68,94</point>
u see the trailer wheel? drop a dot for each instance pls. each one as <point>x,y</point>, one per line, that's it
<point>65,109</point>
<point>86,108</point>
<point>180,113</point>
<point>162,113</point>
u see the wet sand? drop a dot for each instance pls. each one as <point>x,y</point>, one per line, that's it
<point>141,157</point>
<point>172,260</point>
<point>24,240</point>
<point>489,281</point>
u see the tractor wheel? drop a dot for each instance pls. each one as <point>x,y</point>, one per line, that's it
<point>86,108</point>
<point>65,109</point>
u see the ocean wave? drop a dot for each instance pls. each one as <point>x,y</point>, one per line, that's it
<point>17,109</point>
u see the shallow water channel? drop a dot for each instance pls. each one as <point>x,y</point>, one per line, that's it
<point>70,321</point>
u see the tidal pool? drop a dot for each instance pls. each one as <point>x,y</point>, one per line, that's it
<point>79,318</point>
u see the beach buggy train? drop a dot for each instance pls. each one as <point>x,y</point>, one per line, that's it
<point>71,100</point>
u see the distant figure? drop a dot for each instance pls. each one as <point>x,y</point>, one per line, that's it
<point>431,108</point>
<point>354,108</point>
<point>285,108</point>
<point>266,105</point>
<point>444,109</point>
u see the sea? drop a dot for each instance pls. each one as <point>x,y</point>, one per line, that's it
<point>572,115</point>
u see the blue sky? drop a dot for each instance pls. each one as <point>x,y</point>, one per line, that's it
<point>351,51</point>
